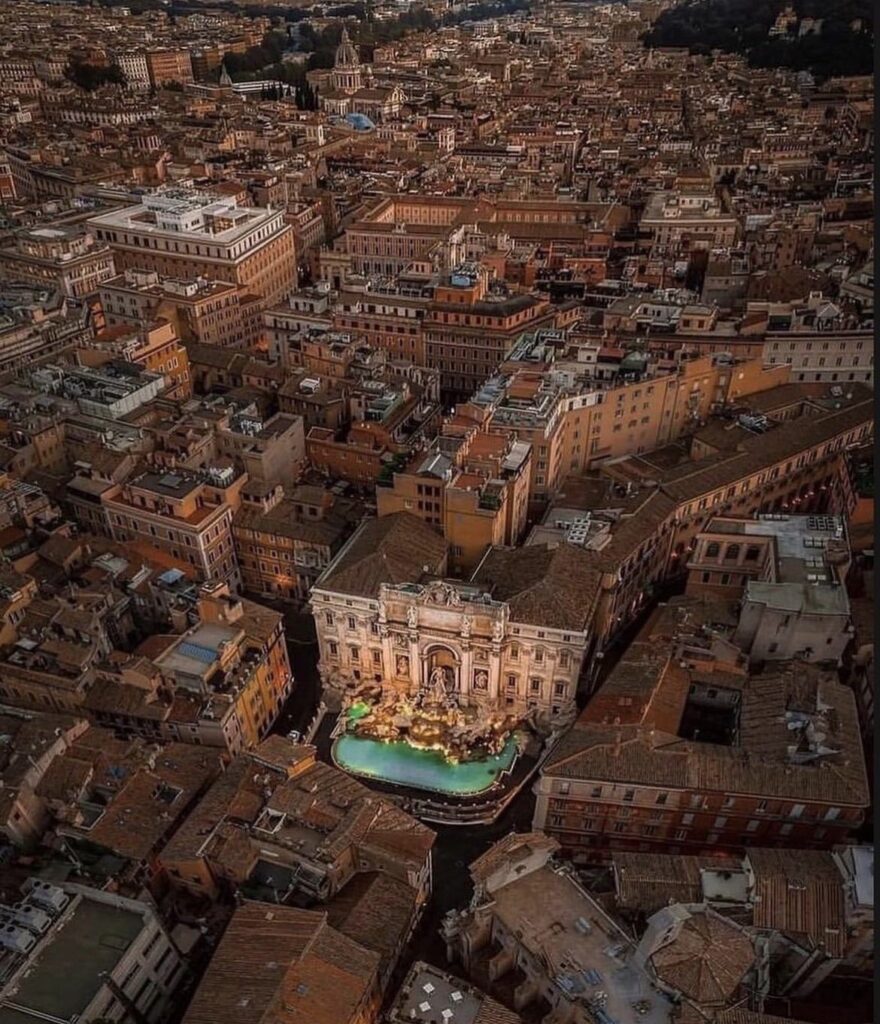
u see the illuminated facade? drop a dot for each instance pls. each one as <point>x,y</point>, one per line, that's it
<point>495,644</point>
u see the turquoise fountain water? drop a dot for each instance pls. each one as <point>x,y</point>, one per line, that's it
<point>399,763</point>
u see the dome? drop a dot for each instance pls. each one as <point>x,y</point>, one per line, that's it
<point>346,54</point>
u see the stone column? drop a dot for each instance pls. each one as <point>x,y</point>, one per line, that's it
<point>466,671</point>
<point>389,654</point>
<point>416,665</point>
<point>494,674</point>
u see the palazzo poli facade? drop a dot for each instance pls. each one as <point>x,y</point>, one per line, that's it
<point>463,642</point>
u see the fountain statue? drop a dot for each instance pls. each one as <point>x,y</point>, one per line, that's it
<point>439,683</point>
<point>434,718</point>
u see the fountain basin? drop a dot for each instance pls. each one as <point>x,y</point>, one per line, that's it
<point>401,764</point>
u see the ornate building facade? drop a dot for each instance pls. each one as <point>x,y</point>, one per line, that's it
<point>385,615</point>
<point>350,88</point>
<point>347,74</point>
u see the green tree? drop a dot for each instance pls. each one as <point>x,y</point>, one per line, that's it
<point>91,76</point>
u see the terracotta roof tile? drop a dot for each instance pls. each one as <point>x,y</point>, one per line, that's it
<point>399,548</point>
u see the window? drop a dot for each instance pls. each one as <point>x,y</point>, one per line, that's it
<point>511,682</point>
<point>832,814</point>
<point>662,798</point>
<point>151,945</point>
<point>752,553</point>
<point>681,833</point>
<point>535,685</point>
<point>328,618</point>
<point>713,550</point>
<point>564,787</point>
<point>720,821</point>
<point>687,819</point>
<point>334,650</point>
<point>352,623</point>
<point>355,653</point>
<point>629,795</point>
<point>753,825</point>
<point>796,810</point>
<point>785,830</point>
<point>596,791</point>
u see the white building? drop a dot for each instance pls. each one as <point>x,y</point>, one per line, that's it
<point>833,357</point>
<point>109,392</point>
<point>134,66</point>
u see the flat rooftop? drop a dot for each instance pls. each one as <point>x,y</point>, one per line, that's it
<point>863,863</point>
<point>64,975</point>
<point>196,653</point>
<point>171,484</point>
<point>143,219</point>
<point>583,950</point>
<point>430,994</point>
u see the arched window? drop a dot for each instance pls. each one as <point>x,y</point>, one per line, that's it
<point>732,551</point>
<point>713,550</point>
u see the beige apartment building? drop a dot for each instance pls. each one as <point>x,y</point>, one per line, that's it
<point>136,68</point>
<point>154,346</point>
<point>572,430</point>
<point>283,547</point>
<point>470,329</point>
<point>475,487</point>
<point>72,261</point>
<point>169,66</point>
<point>182,234</point>
<point>188,516</point>
<point>836,357</point>
<point>210,312</point>
<point>387,316</point>
<point>400,230</point>
<point>798,465</point>
<point>685,220</point>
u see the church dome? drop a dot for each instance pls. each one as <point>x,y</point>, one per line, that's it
<point>346,54</point>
